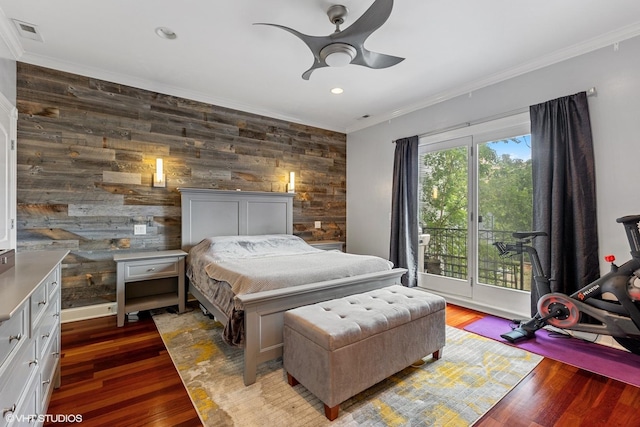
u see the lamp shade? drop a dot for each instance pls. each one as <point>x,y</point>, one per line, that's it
<point>158,176</point>
<point>292,182</point>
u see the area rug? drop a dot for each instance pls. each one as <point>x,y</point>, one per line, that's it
<point>600,359</point>
<point>472,375</point>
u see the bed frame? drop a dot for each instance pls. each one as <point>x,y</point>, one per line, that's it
<point>207,213</point>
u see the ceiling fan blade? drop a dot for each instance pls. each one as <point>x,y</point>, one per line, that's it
<point>315,66</point>
<point>371,20</point>
<point>314,43</point>
<point>376,60</point>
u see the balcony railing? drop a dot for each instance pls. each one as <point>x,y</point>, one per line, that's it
<point>446,255</point>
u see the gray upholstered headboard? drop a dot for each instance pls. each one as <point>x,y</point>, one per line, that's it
<point>207,213</point>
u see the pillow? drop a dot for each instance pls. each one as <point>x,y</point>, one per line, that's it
<point>221,248</point>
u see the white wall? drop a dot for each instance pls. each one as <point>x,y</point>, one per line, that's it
<point>8,79</point>
<point>615,121</point>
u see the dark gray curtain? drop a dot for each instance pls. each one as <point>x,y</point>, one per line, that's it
<point>564,193</point>
<point>404,209</point>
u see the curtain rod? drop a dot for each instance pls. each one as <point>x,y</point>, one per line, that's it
<point>590,92</point>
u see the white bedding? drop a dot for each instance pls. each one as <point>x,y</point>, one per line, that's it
<point>256,263</point>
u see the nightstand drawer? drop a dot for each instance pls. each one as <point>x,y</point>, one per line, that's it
<point>150,269</point>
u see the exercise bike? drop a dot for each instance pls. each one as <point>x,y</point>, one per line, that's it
<point>619,318</point>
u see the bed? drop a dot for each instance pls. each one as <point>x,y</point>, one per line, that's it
<point>210,213</point>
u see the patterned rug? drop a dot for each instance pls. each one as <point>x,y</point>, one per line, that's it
<point>473,374</point>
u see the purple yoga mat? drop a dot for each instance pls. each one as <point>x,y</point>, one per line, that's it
<point>611,362</point>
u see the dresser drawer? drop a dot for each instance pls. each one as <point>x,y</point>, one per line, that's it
<point>39,300</point>
<point>47,327</point>
<point>48,364</point>
<point>12,332</point>
<point>53,283</point>
<point>27,412</point>
<point>14,381</point>
<point>149,269</point>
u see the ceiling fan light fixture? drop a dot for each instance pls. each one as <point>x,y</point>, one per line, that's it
<point>338,54</point>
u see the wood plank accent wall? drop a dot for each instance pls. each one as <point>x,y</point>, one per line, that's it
<point>86,154</point>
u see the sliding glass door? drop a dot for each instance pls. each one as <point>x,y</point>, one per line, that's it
<point>444,215</point>
<point>475,190</point>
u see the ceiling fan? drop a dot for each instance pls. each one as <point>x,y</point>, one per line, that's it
<point>346,46</point>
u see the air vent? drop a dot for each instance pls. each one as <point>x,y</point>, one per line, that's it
<point>28,31</point>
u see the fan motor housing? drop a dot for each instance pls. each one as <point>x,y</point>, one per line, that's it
<point>337,13</point>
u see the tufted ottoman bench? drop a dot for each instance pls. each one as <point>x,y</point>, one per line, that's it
<point>338,348</point>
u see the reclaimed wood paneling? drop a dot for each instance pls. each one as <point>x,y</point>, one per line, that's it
<point>86,155</point>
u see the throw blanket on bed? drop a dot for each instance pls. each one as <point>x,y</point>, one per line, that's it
<point>275,272</point>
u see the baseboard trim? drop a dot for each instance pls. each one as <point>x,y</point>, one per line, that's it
<point>88,312</point>
<point>483,308</point>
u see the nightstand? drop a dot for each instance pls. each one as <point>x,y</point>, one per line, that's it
<point>327,245</point>
<point>147,280</point>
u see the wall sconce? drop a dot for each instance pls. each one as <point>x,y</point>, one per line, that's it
<point>291,188</point>
<point>158,177</point>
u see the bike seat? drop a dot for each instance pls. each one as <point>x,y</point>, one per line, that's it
<point>525,234</point>
<point>629,218</point>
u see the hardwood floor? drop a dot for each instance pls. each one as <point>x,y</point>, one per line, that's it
<point>124,377</point>
<point>120,376</point>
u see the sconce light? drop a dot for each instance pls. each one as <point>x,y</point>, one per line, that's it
<point>291,188</point>
<point>158,177</point>
<point>434,192</point>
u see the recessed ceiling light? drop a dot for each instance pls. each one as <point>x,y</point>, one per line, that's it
<point>337,90</point>
<point>166,33</point>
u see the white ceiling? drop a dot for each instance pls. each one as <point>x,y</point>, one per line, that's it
<point>451,48</point>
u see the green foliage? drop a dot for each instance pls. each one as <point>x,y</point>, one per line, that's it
<point>446,171</point>
<point>505,190</point>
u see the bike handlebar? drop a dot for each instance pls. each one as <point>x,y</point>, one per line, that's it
<point>630,223</point>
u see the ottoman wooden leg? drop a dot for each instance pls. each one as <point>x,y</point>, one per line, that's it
<point>436,354</point>
<point>291,380</point>
<point>331,413</point>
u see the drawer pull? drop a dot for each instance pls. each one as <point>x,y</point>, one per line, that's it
<point>42,302</point>
<point>54,283</point>
<point>151,269</point>
<point>8,410</point>
<point>15,337</point>
<point>33,362</point>
<point>46,382</point>
<point>46,335</point>
<point>56,314</point>
<point>56,354</point>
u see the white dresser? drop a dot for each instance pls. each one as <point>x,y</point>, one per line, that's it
<point>29,336</point>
